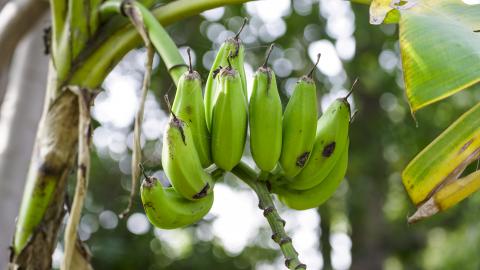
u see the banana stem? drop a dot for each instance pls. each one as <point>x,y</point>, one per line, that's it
<point>150,29</point>
<point>109,8</point>
<point>277,224</point>
<point>100,58</point>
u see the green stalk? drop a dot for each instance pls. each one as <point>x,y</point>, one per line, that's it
<point>59,14</point>
<point>94,16</point>
<point>250,177</point>
<point>79,22</point>
<point>163,43</point>
<point>59,11</point>
<point>95,66</point>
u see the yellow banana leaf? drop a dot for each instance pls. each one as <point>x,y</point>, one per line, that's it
<point>435,170</point>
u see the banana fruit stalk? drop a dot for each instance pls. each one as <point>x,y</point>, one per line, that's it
<point>232,52</point>
<point>320,193</point>
<point>229,120</point>
<point>166,209</point>
<point>181,163</point>
<point>265,118</point>
<point>431,178</point>
<point>188,105</point>
<point>299,125</point>
<point>331,139</point>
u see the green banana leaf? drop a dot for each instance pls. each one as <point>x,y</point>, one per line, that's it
<point>439,46</point>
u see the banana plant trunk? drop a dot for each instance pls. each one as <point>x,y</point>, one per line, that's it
<point>52,159</point>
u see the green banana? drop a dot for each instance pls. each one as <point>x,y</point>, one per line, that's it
<point>299,124</point>
<point>330,140</point>
<point>167,209</point>
<point>265,117</point>
<point>317,195</point>
<point>181,163</point>
<point>229,120</point>
<point>232,52</point>
<point>188,105</point>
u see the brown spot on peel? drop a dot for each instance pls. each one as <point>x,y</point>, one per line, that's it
<point>302,159</point>
<point>177,123</point>
<point>328,149</point>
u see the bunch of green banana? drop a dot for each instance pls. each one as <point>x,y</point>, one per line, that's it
<point>299,124</point>
<point>181,163</point>
<point>265,118</point>
<point>327,164</point>
<point>432,177</point>
<point>229,119</point>
<point>188,105</point>
<point>232,52</point>
<point>166,209</point>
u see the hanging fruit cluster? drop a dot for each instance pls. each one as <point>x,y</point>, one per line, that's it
<point>303,159</point>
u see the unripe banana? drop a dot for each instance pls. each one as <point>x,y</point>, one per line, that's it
<point>265,118</point>
<point>330,140</point>
<point>167,209</point>
<point>317,195</point>
<point>233,51</point>
<point>299,124</point>
<point>181,163</point>
<point>188,105</point>
<point>229,120</point>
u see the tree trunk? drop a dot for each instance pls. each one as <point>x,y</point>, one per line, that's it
<point>19,119</point>
<point>325,247</point>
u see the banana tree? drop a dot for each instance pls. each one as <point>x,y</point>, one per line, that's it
<point>89,38</point>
